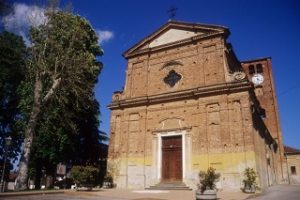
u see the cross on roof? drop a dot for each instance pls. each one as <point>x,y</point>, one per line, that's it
<point>172,12</point>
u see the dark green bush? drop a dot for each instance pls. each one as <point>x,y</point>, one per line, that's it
<point>84,175</point>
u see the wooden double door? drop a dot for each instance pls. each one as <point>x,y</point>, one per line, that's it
<point>172,159</point>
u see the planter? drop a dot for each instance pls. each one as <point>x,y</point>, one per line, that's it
<point>207,194</point>
<point>249,190</point>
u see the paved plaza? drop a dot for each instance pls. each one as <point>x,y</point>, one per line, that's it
<point>56,197</point>
<point>280,192</point>
<point>123,194</point>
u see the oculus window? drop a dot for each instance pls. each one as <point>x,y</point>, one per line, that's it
<point>172,78</point>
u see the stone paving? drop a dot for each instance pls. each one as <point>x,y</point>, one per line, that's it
<point>280,192</point>
<point>122,194</point>
<point>57,197</point>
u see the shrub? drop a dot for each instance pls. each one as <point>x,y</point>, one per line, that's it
<point>208,179</point>
<point>84,175</point>
<point>108,178</point>
<point>64,183</point>
<point>250,179</point>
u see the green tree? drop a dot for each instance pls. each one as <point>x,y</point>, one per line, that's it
<point>12,66</point>
<point>56,142</point>
<point>62,70</point>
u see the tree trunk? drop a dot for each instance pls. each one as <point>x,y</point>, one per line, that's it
<point>50,171</point>
<point>38,175</point>
<point>29,136</point>
<point>49,181</point>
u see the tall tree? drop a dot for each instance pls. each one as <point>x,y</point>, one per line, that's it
<point>57,142</point>
<point>63,62</point>
<point>12,66</point>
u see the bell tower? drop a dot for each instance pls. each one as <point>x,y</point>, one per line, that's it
<point>259,72</point>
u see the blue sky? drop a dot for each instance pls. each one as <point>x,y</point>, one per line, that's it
<point>259,28</point>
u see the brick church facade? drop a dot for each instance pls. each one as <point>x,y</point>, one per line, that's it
<point>188,103</point>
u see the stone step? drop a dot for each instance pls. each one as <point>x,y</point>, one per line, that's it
<point>169,186</point>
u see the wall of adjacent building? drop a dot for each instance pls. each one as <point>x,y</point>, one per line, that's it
<point>293,161</point>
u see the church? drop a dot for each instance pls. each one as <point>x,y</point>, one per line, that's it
<point>188,104</point>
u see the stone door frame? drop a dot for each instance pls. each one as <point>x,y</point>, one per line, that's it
<point>160,135</point>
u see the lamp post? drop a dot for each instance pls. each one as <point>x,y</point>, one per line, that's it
<point>7,144</point>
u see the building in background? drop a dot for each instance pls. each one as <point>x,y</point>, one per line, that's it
<point>189,104</point>
<point>292,156</point>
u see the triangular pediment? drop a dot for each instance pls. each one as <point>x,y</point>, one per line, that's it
<point>175,32</point>
<point>172,35</point>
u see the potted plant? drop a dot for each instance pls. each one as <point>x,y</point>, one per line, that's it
<point>250,184</point>
<point>85,177</point>
<point>207,186</point>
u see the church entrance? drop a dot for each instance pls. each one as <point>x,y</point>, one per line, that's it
<point>172,159</point>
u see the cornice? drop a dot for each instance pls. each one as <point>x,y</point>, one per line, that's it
<point>256,60</point>
<point>154,132</point>
<point>194,93</point>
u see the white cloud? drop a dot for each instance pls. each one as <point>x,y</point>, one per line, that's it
<point>22,17</point>
<point>104,35</point>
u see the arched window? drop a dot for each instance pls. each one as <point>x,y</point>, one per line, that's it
<point>259,68</point>
<point>251,69</point>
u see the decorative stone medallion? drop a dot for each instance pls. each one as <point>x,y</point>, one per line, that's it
<point>239,76</point>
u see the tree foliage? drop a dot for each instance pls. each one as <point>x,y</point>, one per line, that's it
<point>61,74</point>
<point>12,66</point>
<point>55,142</point>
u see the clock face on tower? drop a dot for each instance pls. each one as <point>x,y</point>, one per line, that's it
<point>257,79</point>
